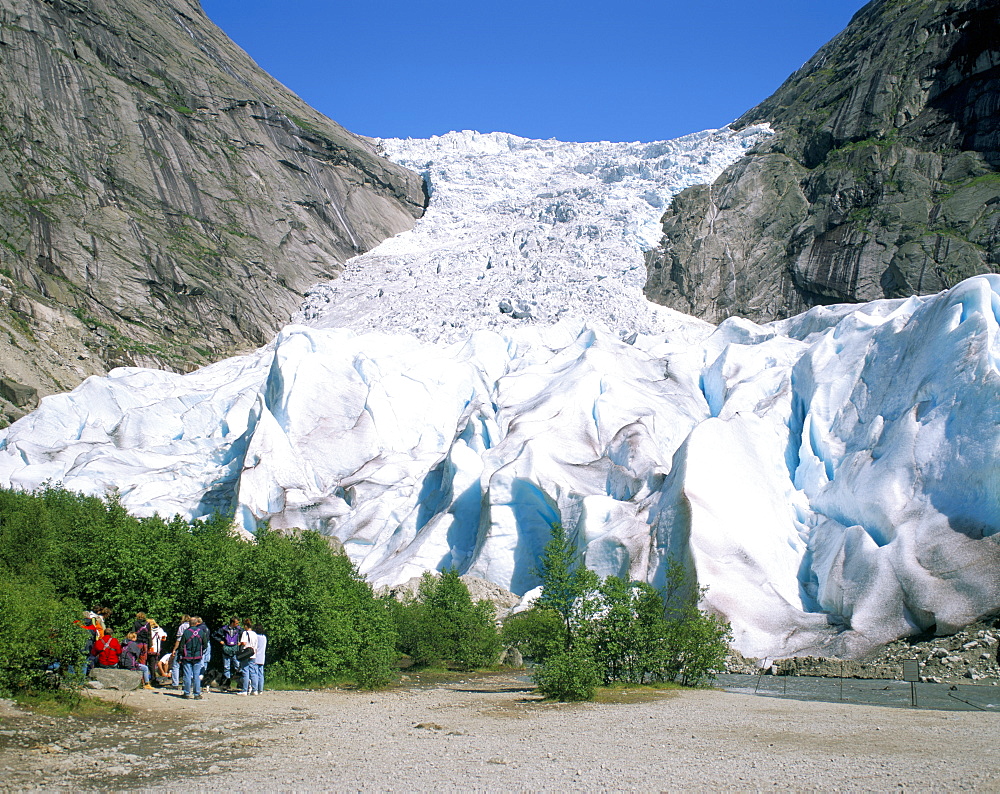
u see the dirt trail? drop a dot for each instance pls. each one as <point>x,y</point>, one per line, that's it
<point>492,732</point>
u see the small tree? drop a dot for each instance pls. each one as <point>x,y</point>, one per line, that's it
<point>568,587</point>
<point>442,624</point>
<point>569,670</point>
<point>695,642</point>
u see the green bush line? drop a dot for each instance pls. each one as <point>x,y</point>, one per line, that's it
<point>62,551</point>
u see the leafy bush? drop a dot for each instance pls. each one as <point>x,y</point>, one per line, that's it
<point>40,645</point>
<point>441,625</point>
<point>569,674</point>
<point>533,632</point>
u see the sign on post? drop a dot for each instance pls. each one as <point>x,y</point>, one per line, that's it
<point>911,673</point>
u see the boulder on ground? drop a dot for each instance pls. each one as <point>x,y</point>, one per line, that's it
<point>113,678</point>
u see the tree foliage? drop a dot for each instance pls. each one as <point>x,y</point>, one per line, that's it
<point>322,619</point>
<point>442,625</point>
<point>39,641</point>
<point>615,630</point>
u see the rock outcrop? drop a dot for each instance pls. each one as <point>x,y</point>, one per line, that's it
<point>882,179</point>
<point>162,200</point>
<point>967,656</point>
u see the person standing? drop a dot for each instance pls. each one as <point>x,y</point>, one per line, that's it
<point>257,675</point>
<point>93,634</point>
<point>175,664</point>
<point>190,651</point>
<point>228,638</point>
<point>156,638</point>
<point>248,640</point>
<point>206,639</point>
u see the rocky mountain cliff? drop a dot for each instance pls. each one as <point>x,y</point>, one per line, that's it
<point>162,200</point>
<point>882,179</point>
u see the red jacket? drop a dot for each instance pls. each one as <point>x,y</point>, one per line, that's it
<point>107,651</point>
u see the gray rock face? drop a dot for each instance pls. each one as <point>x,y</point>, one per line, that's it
<point>162,200</point>
<point>882,179</point>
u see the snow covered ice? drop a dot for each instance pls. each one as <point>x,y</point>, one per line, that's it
<point>833,479</point>
<point>522,231</point>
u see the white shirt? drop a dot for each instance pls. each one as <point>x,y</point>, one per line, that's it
<point>250,638</point>
<point>261,646</point>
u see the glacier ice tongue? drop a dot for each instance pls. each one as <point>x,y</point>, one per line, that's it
<point>833,479</point>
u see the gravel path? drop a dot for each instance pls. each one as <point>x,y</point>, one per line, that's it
<point>492,733</point>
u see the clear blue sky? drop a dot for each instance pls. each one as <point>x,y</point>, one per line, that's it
<point>619,70</point>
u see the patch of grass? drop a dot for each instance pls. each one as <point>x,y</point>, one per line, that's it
<point>433,676</point>
<point>69,702</point>
<point>633,693</point>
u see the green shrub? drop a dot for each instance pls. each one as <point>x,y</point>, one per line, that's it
<point>695,643</point>
<point>533,632</point>
<point>40,645</point>
<point>442,625</point>
<point>568,674</point>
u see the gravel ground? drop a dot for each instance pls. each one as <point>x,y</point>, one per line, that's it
<point>492,733</point>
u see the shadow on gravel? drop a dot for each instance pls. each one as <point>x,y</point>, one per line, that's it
<point>871,692</point>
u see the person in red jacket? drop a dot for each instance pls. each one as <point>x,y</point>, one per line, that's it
<point>107,650</point>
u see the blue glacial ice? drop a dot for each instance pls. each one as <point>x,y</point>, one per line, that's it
<point>833,479</point>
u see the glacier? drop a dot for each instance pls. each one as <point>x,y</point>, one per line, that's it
<point>521,231</point>
<point>832,479</point>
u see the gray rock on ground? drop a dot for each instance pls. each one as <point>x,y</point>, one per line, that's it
<point>114,678</point>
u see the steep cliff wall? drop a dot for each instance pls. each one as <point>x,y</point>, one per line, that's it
<point>882,179</point>
<point>162,200</point>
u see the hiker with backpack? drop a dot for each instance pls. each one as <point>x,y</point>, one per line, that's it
<point>228,638</point>
<point>175,664</point>
<point>105,651</point>
<point>134,657</point>
<point>206,638</point>
<point>249,640</point>
<point>191,649</point>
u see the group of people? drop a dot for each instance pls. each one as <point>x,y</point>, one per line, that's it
<point>238,648</point>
